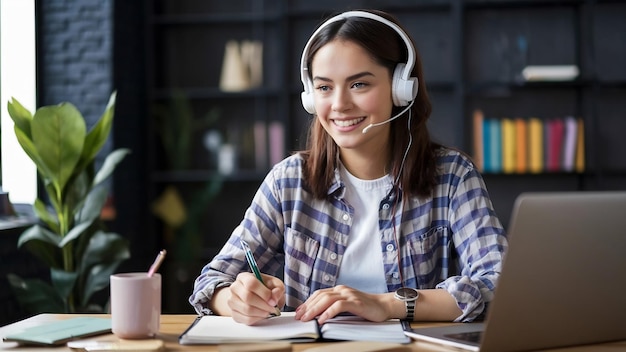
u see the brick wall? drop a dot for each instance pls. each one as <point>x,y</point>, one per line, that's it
<point>75,55</point>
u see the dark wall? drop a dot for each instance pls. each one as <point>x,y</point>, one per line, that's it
<point>130,131</point>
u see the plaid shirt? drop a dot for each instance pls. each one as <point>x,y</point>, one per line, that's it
<point>451,241</point>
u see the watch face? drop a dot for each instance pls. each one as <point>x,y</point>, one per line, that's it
<point>406,293</point>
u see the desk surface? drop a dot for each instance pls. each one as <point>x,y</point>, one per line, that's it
<point>173,325</point>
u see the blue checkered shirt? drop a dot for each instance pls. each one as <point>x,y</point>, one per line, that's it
<point>452,240</point>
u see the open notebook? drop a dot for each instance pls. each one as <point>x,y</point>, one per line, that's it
<point>560,281</point>
<point>212,329</point>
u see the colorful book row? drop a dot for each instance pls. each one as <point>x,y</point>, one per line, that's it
<point>528,145</point>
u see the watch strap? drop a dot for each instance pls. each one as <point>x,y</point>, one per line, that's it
<point>410,310</point>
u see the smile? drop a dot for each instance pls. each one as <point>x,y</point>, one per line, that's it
<point>348,123</point>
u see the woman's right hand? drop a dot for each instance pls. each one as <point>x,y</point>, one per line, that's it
<point>251,301</point>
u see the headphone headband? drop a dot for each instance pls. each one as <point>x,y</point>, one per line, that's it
<point>404,87</point>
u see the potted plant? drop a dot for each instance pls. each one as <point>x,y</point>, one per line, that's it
<point>70,237</point>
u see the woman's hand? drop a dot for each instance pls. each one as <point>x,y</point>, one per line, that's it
<point>251,301</point>
<point>327,303</point>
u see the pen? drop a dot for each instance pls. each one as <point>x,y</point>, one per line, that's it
<point>157,262</point>
<point>255,269</point>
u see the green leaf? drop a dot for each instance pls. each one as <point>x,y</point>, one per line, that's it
<point>104,247</point>
<point>59,135</point>
<point>42,244</point>
<point>101,258</point>
<point>63,281</point>
<point>36,296</point>
<point>29,148</point>
<point>52,195</point>
<point>37,232</point>
<point>109,165</point>
<point>98,135</point>
<point>92,206</point>
<point>44,214</point>
<point>74,233</point>
<point>98,279</point>
<point>77,190</point>
<point>21,116</point>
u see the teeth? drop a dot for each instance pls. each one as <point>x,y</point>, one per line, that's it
<point>346,123</point>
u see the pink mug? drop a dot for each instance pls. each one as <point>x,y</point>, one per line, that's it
<point>135,305</point>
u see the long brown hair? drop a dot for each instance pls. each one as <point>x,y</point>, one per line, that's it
<point>418,176</point>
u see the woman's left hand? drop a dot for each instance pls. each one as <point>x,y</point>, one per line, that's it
<point>329,302</point>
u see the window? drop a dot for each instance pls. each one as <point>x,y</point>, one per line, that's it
<point>17,79</point>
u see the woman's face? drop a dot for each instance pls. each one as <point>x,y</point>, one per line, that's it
<point>351,92</point>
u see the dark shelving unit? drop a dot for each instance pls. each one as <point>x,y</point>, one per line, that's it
<point>472,52</point>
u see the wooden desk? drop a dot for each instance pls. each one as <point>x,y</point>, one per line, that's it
<point>173,325</point>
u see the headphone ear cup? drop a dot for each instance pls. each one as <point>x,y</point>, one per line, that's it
<point>403,91</point>
<point>308,101</point>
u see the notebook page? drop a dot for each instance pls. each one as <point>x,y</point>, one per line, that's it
<point>213,329</point>
<point>356,328</point>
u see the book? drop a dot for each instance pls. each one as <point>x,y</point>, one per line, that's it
<point>213,329</point>
<point>554,135</point>
<point>569,144</point>
<point>508,145</point>
<point>486,135</point>
<point>496,145</point>
<point>521,146</point>
<point>580,147</point>
<point>479,152</point>
<point>61,331</point>
<point>535,145</point>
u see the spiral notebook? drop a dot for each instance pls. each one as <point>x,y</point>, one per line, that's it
<point>213,329</point>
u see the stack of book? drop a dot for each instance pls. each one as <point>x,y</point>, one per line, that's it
<point>528,145</point>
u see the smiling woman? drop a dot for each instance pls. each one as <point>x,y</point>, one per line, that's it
<point>378,222</point>
<point>17,74</point>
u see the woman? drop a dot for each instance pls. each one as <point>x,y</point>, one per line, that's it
<point>373,218</point>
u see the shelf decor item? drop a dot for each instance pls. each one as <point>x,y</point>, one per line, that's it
<point>550,73</point>
<point>242,68</point>
<point>70,237</point>
<point>234,76</point>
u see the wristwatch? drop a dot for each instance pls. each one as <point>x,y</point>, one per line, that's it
<point>408,296</point>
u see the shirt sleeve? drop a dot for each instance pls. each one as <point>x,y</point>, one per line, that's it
<point>480,242</point>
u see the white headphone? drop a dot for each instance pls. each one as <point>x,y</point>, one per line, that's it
<point>403,87</point>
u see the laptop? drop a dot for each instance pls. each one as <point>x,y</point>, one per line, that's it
<point>562,280</point>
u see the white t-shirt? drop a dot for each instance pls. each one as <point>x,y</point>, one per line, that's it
<point>362,264</point>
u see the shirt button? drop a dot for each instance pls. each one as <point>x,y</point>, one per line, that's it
<point>390,247</point>
<point>396,275</point>
<point>385,206</point>
<point>326,277</point>
<point>346,217</point>
<point>333,256</point>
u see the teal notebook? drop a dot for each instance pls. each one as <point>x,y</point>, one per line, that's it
<point>61,331</point>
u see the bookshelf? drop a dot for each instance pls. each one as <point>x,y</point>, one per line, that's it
<point>473,53</point>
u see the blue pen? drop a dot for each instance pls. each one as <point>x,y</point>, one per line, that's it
<point>255,268</point>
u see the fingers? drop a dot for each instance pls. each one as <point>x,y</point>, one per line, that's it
<point>328,303</point>
<point>251,301</point>
<point>277,288</point>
